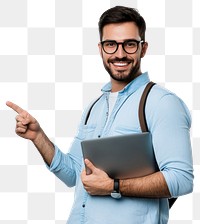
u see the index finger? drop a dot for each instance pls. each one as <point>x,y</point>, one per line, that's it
<point>15,107</point>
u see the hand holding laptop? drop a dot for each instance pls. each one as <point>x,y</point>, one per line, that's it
<point>97,182</point>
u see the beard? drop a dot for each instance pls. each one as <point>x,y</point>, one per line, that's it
<point>120,75</point>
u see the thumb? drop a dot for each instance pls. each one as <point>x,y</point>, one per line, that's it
<point>89,165</point>
<point>26,120</point>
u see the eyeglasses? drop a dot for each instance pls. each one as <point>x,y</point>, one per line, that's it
<point>129,46</point>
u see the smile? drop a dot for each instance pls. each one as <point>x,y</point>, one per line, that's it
<point>120,64</point>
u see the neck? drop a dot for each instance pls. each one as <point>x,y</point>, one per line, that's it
<point>117,86</point>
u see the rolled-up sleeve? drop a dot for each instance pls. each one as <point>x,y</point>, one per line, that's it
<point>62,167</point>
<point>171,140</point>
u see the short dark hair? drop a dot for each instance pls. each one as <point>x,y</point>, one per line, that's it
<point>120,14</point>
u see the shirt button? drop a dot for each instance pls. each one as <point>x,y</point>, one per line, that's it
<point>83,205</point>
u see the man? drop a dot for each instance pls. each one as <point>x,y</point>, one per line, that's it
<point>145,199</point>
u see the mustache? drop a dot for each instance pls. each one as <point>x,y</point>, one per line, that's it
<point>116,59</point>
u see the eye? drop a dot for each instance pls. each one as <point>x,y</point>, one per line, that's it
<point>109,44</point>
<point>131,44</point>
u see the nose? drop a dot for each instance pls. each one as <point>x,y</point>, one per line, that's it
<point>120,53</point>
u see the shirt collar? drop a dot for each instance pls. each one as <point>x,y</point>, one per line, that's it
<point>132,86</point>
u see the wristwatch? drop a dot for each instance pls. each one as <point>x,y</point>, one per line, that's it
<point>116,192</point>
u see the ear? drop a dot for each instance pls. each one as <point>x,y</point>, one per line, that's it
<point>100,49</point>
<point>144,49</point>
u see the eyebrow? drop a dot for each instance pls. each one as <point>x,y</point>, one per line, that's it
<point>131,39</point>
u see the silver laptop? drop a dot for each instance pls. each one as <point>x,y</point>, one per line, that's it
<point>124,156</point>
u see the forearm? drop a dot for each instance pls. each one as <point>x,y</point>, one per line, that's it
<point>151,186</point>
<point>44,146</point>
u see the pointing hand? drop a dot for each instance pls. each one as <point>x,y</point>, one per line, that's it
<point>26,125</point>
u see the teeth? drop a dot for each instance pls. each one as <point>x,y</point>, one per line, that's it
<point>120,64</point>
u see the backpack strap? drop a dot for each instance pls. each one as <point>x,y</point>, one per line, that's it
<point>141,110</point>
<point>90,109</point>
<point>143,122</point>
<point>142,117</point>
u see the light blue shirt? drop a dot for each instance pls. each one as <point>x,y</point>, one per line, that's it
<point>168,120</point>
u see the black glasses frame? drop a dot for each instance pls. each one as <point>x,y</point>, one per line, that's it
<point>122,43</point>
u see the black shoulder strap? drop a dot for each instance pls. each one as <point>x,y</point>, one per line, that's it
<point>89,111</point>
<point>143,122</point>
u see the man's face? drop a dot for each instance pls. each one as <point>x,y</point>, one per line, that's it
<point>121,66</point>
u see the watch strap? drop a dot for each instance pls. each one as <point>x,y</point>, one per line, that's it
<point>116,185</point>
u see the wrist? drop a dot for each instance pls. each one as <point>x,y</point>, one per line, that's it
<point>38,136</point>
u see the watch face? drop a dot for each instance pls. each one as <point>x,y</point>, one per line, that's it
<point>115,195</point>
